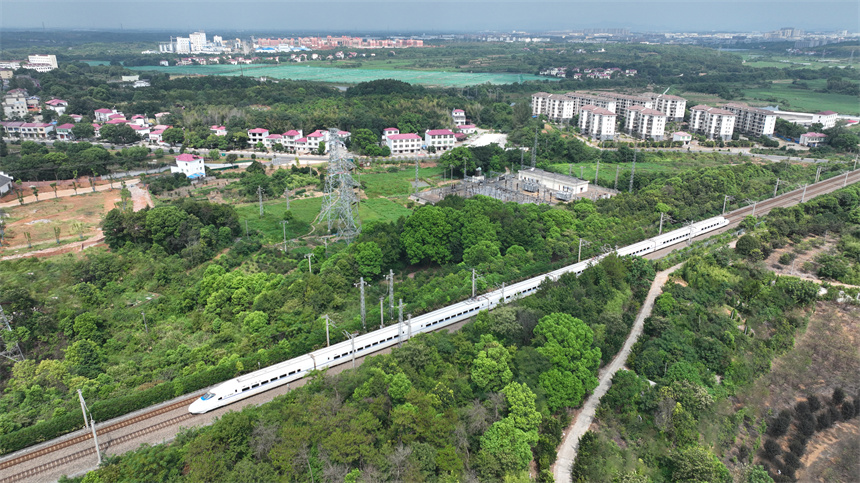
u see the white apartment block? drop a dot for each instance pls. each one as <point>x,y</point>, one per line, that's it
<point>645,123</point>
<point>404,143</point>
<point>15,103</point>
<point>580,100</point>
<point>752,121</point>
<point>624,102</point>
<point>554,106</point>
<point>826,118</point>
<point>672,106</point>
<point>441,138</point>
<point>257,135</point>
<point>183,45</point>
<point>597,122</point>
<point>389,131</point>
<point>197,41</point>
<point>712,122</point>
<point>41,63</point>
<point>459,117</point>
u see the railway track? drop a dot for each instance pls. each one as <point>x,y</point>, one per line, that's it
<point>786,199</point>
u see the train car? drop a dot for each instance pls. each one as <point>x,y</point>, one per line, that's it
<point>285,372</point>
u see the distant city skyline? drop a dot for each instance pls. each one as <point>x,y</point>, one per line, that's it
<point>423,16</point>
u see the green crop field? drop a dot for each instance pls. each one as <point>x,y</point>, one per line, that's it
<point>348,76</point>
<point>806,100</point>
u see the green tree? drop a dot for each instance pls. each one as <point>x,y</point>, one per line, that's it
<point>398,387</point>
<point>87,327</point>
<point>173,136</point>
<point>507,445</point>
<point>118,134</point>
<point>698,464</point>
<point>567,343</point>
<point>368,256</point>
<point>427,236</point>
<point>522,410</point>
<point>460,159</point>
<point>490,369</point>
<point>83,130</point>
<point>164,222</point>
<point>362,139</point>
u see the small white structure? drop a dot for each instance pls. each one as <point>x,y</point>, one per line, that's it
<point>5,183</point>
<point>553,181</point>
<point>57,105</point>
<point>442,139</point>
<point>105,115</point>
<point>468,129</point>
<point>682,137</point>
<point>404,143</point>
<point>218,130</point>
<point>826,118</point>
<point>189,165</point>
<point>812,139</point>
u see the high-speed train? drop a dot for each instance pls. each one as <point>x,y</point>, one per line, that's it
<point>285,372</point>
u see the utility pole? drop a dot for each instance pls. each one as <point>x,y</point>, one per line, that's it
<point>284,225</point>
<point>381,313</point>
<point>83,409</point>
<point>503,292</point>
<point>632,171</point>
<point>144,322</point>
<point>803,196</point>
<point>817,174</point>
<point>96,440</point>
<point>361,285</point>
<point>327,321</point>
<point>534,149</point>
<point>390,294</point>
<point>260,197</point>
<point>308,256</point>
<point>400,324</point>
<point>246,227</point>
<point>473,283</point>
<point>597,171</point>
<point>725,199</point>
<point>579,255</point>
<point>660,232</point>
<point>351,338</point>
<point>845,183</point>
<point>408,326</point>
<point>776,188</point>
<point>617,170</point>
<point>287,196</point>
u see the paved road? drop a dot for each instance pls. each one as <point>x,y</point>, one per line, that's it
<point>567,452</point>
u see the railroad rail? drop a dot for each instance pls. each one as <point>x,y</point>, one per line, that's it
<point>763,207</point>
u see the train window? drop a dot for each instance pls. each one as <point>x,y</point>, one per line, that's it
<point>336,357</point>
<point>255,385</point>
<point>245,389</point>
<point>291,373</point>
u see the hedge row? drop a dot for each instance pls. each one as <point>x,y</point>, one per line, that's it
<point>115,407</point>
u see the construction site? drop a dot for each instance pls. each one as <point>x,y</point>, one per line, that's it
<point>529,185</point>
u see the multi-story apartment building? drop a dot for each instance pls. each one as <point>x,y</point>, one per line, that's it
<point>581,100</point>
<point>404,143</point>
<point>597,122</point>
<point>257,135</point>
<point>442,139</point>
<point>672,106</point>
<point>15,103</point>
<point>197,41</point>
<point>752,121</point>
<point>557,107</point>
<point>459,117</point>
<point>389,131</point>
<point>712,122</point>
<point>644,122</point>
<point>624,102</point>
<point>36,130</point>
<point>826,118</point>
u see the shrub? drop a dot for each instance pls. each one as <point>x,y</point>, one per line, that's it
<point>771,449</point>
<point>791,461</point>
<point>786,258</point>
<point>847,410</point>
<point>814,403</point>
<point>823,421</point>
<point>807,426</point>
<point>797,447</point>
<point>802,411</point>
<point>838,396</point>
<point>779,425</point>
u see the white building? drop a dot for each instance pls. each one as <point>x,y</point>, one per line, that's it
<point>189,165</point>
<point>218,130</point>
<point>41,63</point>
<point>273,139</point>
<point>712,122</point>
<point>468,129</point>
<point>64,132</point>
<point>5,183</point>
<point>826,118</point>
<point>554,181</point>
<point>15,103</point>
<point>812,139</point>
<point>257,135</point>
<point>182,45</point>
<point>197,41</point>
<point>105,115</point>
<point>389,131</point>
<point>557,107</point>
<point>36,130</point>
<point>645,123</point>
<point>404,143</point>
<point>682,137</point>
<point>624,102</point>
<point>290,137</point>
<point>752,121</point>
<point>459,117</point>
<point>442,139</point>
<point>57,105</point>
<point>581,100</point>
<point>597,122</point>
<point>672,106</point>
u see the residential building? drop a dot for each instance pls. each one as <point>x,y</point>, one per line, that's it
<point>597,122</point>
<point>812,139</point>
<point>672,106</point>
<point>459,117</point>
<point>826,118</point>
<point>104,115</point>
<point>155,136</point>
<point>34,104</point>
<point>712,122</point>
<point>581,100</point>
<point>290,137</point>
<point>442,139</point>
<point>218,130</point>
<point>554,181</point>
<point>404,143</point>
<point>257,135</point>
<point>49,60</point>
<point>557,107</point>
<point>142,131</point>
<point>624,102</point>
<point>313,140</point>
<point>389,131</point>
<point>682,137</point>
<point>6,74</point>
<point>5,183</point>
<point>189,165</point>
<point>64,132</point>
<point>468,129</point>
<point>645,123</point>
<point>140,83</point>
<point>12,127</point>
<point>57,105</point>
<point>272,139</point>
<point>197,41</point>
<point>96,130</point>
<point>15,103</point>
<point>36,130</point>
<point>752,121</point>
<point>182,45</point>
<point>76,117</point>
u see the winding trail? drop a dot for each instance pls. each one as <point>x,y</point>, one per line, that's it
<point>581,422</point>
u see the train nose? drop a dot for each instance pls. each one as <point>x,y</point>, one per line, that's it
<point>197,407</point>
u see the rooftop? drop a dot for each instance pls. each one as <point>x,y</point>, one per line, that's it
<point>66,126</point>
<point>188,158</point>
<point>555,176</point>
<point>257,130</point>
<point>826,113</point>
<point>598,110</point>
<point>440,132</point>
<point>405,136</point>
<point>815,135</point>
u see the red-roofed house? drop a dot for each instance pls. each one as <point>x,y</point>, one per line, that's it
<point>682,137</point>
<point>442,139</point>
<point>155,136</point>
<point>468,128</point>
<point>57,105</point>
<point>812,139</point>
<point>103,115</point>
<point>218,130</point>
<point>76,117</point>
<point>64,132</point>
<point>12,127</point>
<point>826,118</point>
<point>459,117</point>
<point>189,165</point>
<point>142,131</point>
<point>96,129</point>
<point>388,132</point>
<point>36,130</point>
<point>404,143</point>
<point>290,137</point>
<point>117,121</point>
<point>272,139</point>
<point>257,135</point>
<point>314,139</point>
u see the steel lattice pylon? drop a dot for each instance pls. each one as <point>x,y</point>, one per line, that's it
<point>13,350</point>
<point>339,198</point>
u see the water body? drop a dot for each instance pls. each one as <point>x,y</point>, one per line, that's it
<point>349,76</point>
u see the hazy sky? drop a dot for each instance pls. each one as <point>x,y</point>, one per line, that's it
<point>401,15</point>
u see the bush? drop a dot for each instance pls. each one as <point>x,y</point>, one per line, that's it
<point>786,258</point>
<point>797,447</point>
<point>823,421</point>
<point>771,449</point>
<point>838,396</point>
<point>814,403</point>
<point>847,410</point>
<point>779,425</point>
<point>791,461</point>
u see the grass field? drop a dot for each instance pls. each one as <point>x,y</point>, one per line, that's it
<point>397,184</point>
<point>348,76</point>
<point>804,99</point>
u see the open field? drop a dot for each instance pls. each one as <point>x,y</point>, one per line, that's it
<point>803,99</point>
<point>40,218</point>
<point>382,184</point>
<point>347,76</point>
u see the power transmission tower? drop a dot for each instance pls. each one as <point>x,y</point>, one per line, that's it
<point>260,197</point>
<point>361,283</point>
<point>534,150</point>
<point>400,323</point>
<point>633,171</point>
<point>617,170</point>
<point>339,194</point>
<point>13,351</point>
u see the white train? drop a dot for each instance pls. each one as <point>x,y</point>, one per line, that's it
<point>285,372</point>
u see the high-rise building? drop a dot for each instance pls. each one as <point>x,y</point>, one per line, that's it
<point>597,122</point>
<point>752,121</point>
<point>712,122</point>
<point>198,41</point>
<point>183,45</point>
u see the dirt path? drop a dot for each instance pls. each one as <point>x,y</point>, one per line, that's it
<point>139,196</point>
<point>90,242</point>
<point>823,451</point>
<point>582,421</point>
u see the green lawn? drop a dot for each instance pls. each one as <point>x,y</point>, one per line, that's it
<point>806,100</point>
<point>381,209</point>
<point>677,162</point>
<point>397,184</point>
